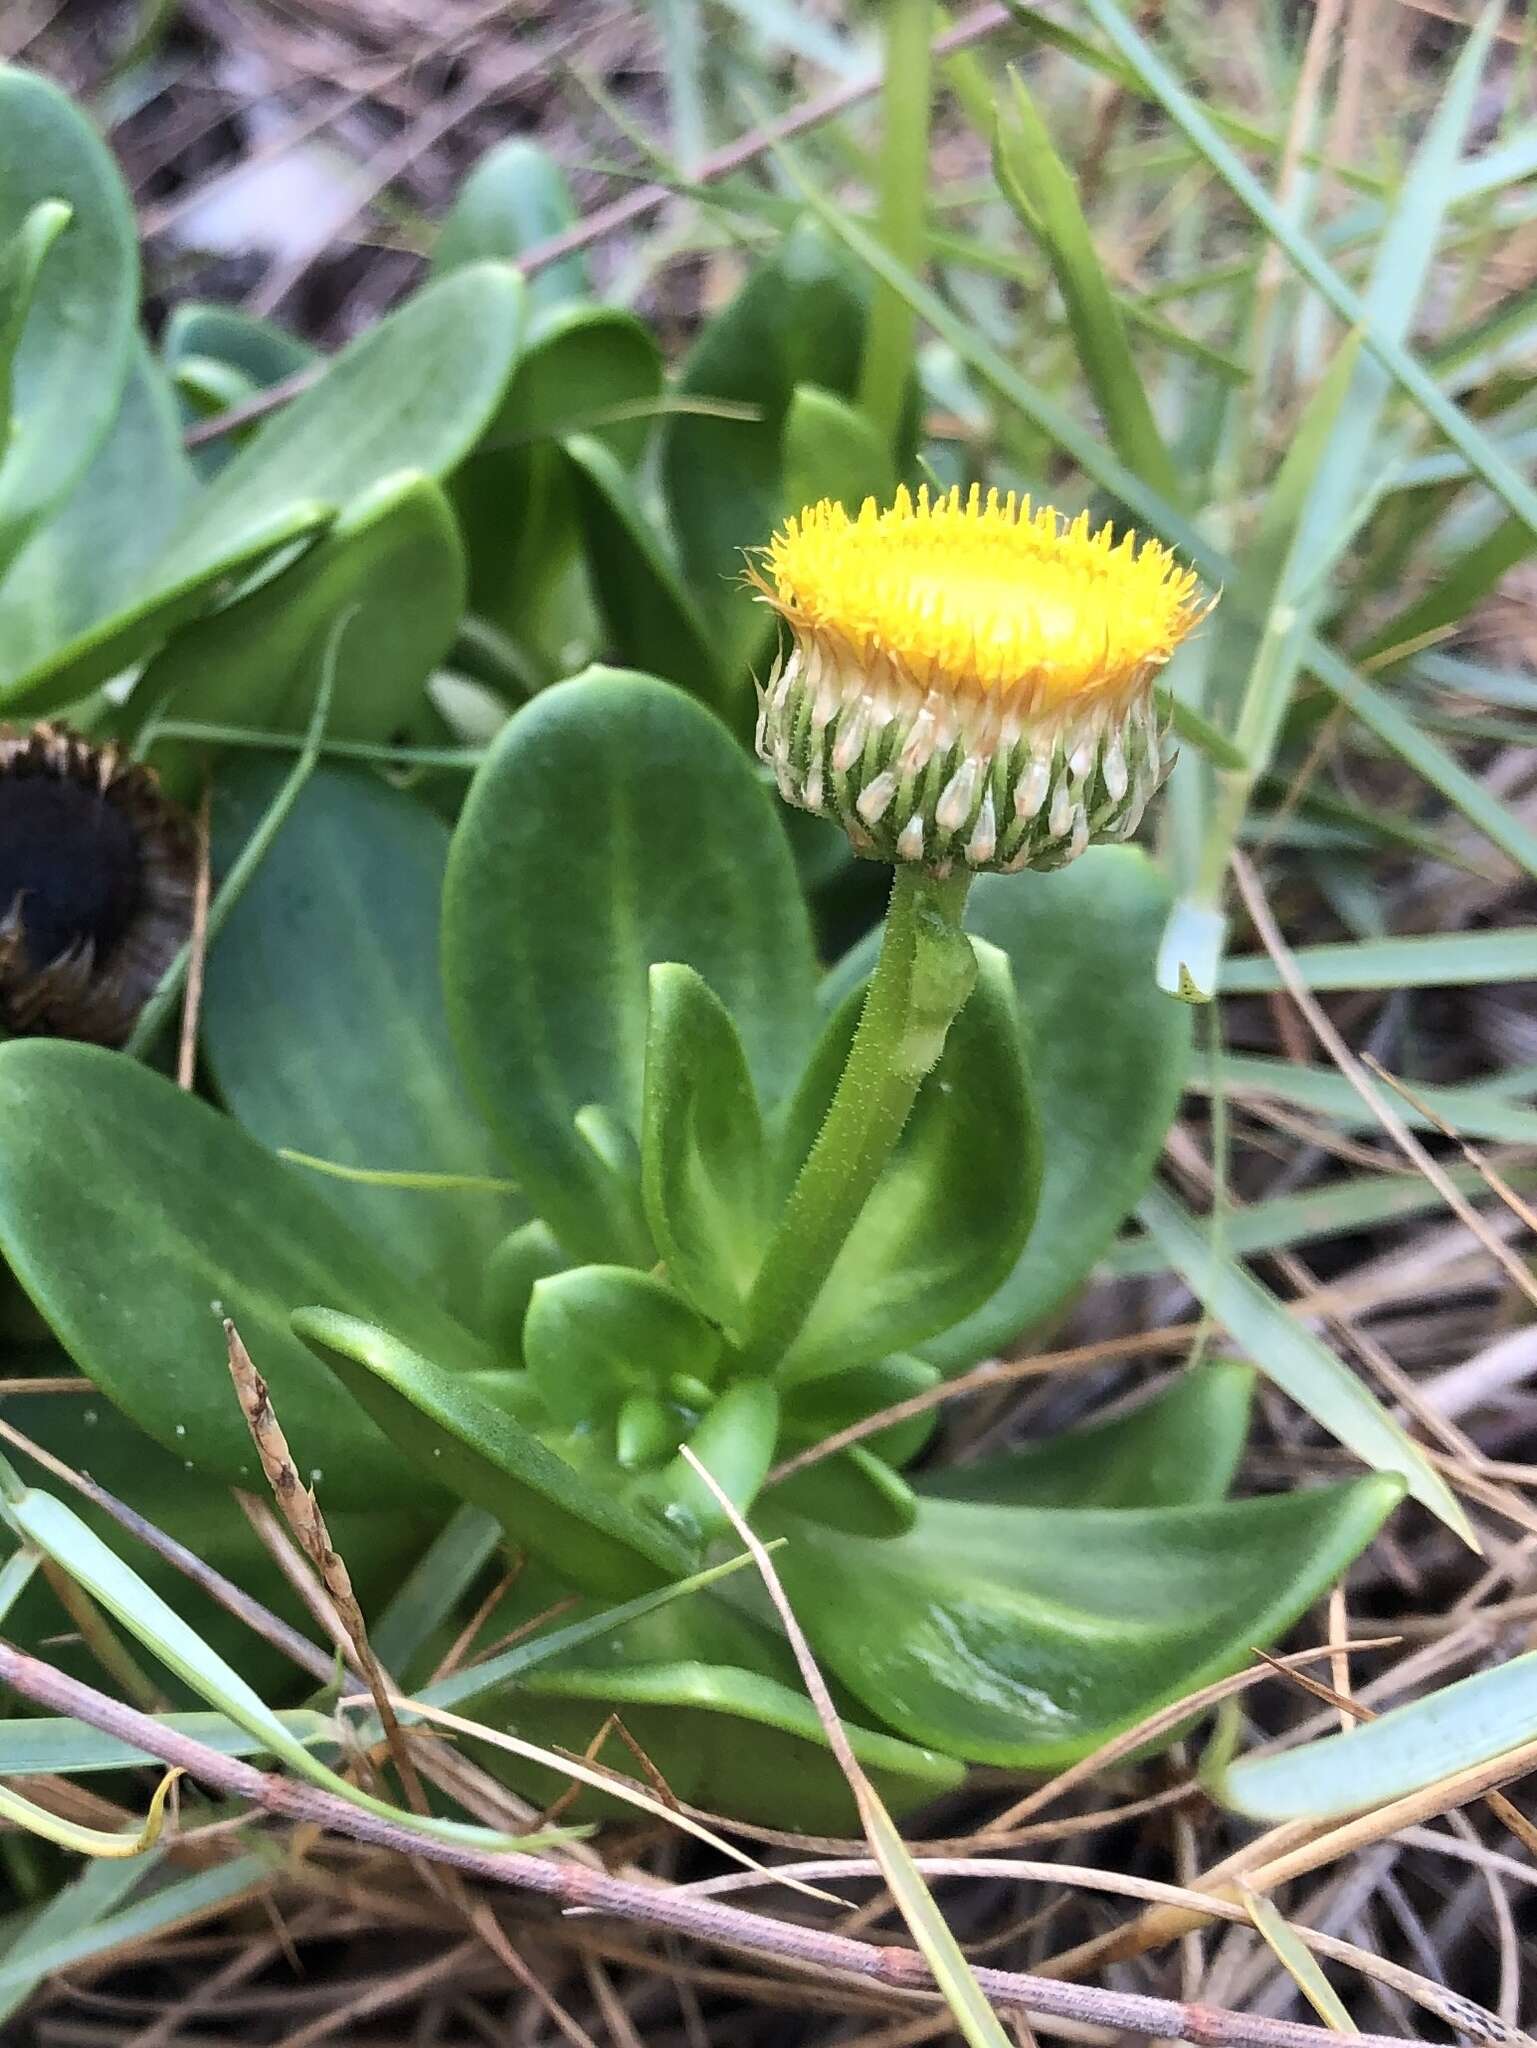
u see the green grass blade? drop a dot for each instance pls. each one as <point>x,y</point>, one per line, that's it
<point>172,1906</point>
<point>953,1976</point>
<point>1039,187</point>
<point>1361,1203</point>
<point>72,1914</point>
<point>1155,75</point>
<point>1298,1961</point>
<point>1438,1738</point>
<point>1439,960</point>
<point>1294,1358</point>
<point>1476,1112</point>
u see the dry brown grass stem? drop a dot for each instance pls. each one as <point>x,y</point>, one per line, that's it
<point>574,1886</point>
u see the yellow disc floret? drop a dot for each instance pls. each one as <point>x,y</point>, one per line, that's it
<point>968,681</point>
<point>983,596</point>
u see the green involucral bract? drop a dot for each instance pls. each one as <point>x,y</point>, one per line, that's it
<point>596,1193</point>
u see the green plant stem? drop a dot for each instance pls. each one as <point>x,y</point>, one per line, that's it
<point>906,97</point>
<point>924,974</point>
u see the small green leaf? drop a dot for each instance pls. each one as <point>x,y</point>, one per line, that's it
<point>596,1334</point>
<point>413,393</point>
<point>472,1445</point>
<point>799,318</point>
<point>822,1407</point>
<point>832,451</point>
<point>526,1255</point>
<point>1179,1449</point>
<point>854,1490</point>
<point>704,1170</point>
<point>589,370</point>
<point>86,562</point>
<point>1453,1730</point>
<point>735,1445</point>
<point>77,287</point>
<point>21,258</point>
<point>393,560</point>
<point>557,904</point>
<point>1040,188</point>
<point>262,352</point>
<point>515,197</point>
<point>135,1217</point>
<point>1027,1636</point>
<point>340,923</point>
<point>583,368</point>
<point>652,620</point>
<point>1297,1361</point>
<point>946,1221</point>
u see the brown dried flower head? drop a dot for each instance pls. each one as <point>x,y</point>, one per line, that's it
<point>97,872</point>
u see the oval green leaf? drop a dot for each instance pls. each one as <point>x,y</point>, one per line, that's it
<point>1175,1450</point>
<point>1027,1636</point>
<point>597,1334</point>
<point>470,1443</point>
<point>557,905</point>
<point>704,1170</point>
<point>135,1216</point>
<point>340,924</point>
<point>71,357</point>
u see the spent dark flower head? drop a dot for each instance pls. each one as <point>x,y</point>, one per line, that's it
<point>97,871</point>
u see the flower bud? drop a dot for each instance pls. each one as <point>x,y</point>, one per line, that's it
<point>969,682</point>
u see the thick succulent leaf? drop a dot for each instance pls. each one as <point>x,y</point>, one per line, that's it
<point>1108,1056</point>
<point>94,1437</point>
<point>86,561</point>
<point>735,1445</point>
<point>724,1739</point>
<point>452,1429</point>
<point>515,197</point>
<point>1027,1636</point>
<point>260,350</point>
<point>524,1257</point>
<point>79,284</point>
<point>713,1698</point>
<point>392,563</point>
<point>855,1490</point>
<point>592,370</point>
<point>704,1168</point>
<point>596,1334</point>
<point>136,1216</point>
<point>587,369</point>
<point>650,617</point>
<point>219,357</point>
<point>614,825</point>
<point>413,393</point>
<point>799,318</point>
<point>822,1407</point>
<point>948,1217</point>
<point>1178,1449</point>
<point>340,926</point>
<point>832,451</point>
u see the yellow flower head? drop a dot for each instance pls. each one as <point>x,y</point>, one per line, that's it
<point>969,680</point>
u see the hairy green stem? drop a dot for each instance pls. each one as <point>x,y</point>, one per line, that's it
<point>924,974</point>
<point>906,96</point>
